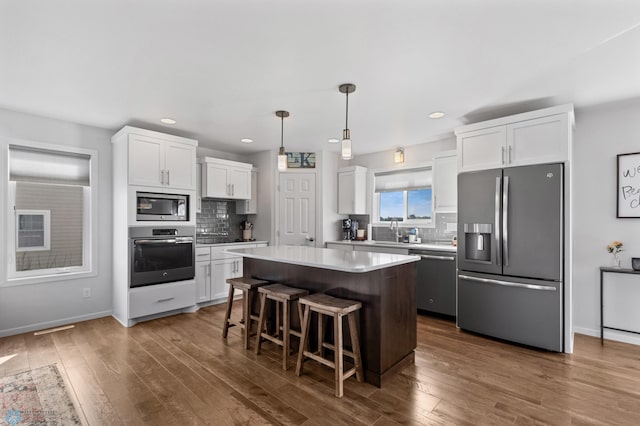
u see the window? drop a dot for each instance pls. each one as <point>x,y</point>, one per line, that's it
<point>51,200</point>
<point>404,195</point>
<point>33,230</point>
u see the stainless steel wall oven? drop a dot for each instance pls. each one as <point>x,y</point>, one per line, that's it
<point>161,255</point>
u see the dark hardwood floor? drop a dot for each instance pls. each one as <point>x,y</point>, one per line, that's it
<point>179,371</point>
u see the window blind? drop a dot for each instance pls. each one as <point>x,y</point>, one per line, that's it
<point>400,180</point>
<point>28,164</point>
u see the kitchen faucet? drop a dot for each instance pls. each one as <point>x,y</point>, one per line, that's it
<point>396,233</point>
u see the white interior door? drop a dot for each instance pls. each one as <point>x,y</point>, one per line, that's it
<point>297,208</point>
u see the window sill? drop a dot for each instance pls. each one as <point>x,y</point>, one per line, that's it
<point>50,277</point>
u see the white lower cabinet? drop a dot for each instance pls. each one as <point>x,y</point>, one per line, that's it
<point>214,267</point>
<point>221,270</point>
<point>154,299</point>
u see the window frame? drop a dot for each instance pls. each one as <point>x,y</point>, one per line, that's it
<point>89,222</point>
<point>406,222</point>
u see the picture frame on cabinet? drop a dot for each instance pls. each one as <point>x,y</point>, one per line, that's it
<point>628,186</point>
<point>301,160</point>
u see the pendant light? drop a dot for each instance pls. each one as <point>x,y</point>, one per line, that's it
<point>282,156</point>
<point>346,153</point>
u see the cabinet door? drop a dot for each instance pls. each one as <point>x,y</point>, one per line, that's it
<point>445,183</point>
<point>216,184</point>
<point>346,192</point>
<point>198,188</point>
<point>482,149</point>
<point>203,281</point>
<point>240,181</point>
<point>180,163</point>
<point>221,270</point>
<point>250,206</point>
<point>146,161</point>
<point>542,140</point>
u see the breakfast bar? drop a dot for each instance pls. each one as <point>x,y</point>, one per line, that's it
<point>383,283</point>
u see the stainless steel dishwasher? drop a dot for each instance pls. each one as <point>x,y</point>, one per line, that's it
<point>436,281</point>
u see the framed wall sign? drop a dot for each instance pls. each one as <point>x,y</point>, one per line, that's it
<point>628,185</point>
<point>301,160</point>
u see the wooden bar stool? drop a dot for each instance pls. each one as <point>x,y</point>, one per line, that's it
<point>324,304</point>
<point>248,287</point>
<point>285,295</point>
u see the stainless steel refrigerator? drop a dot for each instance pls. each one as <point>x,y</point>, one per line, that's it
<point>510,254</point>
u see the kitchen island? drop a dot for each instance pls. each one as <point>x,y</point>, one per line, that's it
<point>383,283</point>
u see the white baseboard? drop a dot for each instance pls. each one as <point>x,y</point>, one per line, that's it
<point>51,324</point>
<point>618,336</point>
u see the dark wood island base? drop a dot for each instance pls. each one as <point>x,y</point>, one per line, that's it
<point>388,316</point>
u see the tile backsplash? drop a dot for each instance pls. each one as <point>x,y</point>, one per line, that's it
<point>440,233</point>
<point>218,220</point>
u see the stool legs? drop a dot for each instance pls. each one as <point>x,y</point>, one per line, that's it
<point>303,339</point>
<point>338,355</point>
<point>246,314</point>
<point>261,321</point>
<point>355,346</point>
<point>227,315</point>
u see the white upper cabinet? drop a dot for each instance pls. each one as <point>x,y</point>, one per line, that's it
<point>535,137</point>
<point>158,162</point>
<point>445,183</point>
<point>225,179</point>
<point>541,140</point>
<point>352,190</point>
<point>250,206</point>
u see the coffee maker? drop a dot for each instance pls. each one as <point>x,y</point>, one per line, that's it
<point>349,229</point>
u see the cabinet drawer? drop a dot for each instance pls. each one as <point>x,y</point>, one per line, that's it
<point>161,298</point>
<point>202,253</point>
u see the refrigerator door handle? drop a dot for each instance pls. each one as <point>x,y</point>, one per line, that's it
<point>505,221</point>
<point>496,223</point>
<point>508,283</point>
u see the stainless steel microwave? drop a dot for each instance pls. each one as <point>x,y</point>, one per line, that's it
<point>164,207</point>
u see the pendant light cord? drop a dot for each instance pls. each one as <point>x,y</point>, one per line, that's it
<point>346,120</point>
<point>282,132</point>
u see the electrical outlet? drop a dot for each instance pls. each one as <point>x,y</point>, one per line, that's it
<point>86,292</point>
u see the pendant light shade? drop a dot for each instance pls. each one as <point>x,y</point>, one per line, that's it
<point>282,155</point>
<point>346,153</point>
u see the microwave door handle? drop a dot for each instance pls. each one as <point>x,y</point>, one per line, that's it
<point>505,221</point>
<point>496,223</point>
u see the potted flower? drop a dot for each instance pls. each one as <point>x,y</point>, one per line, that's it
<point>614,248</point>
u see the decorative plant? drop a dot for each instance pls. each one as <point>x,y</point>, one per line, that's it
<point>614,248</point>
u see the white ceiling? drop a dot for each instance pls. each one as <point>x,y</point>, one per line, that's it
<point>221,68</point>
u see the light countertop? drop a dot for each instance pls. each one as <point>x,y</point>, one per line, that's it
<point>408,246</point>
<point>337,260</point>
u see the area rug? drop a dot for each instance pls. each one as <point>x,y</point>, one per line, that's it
<point>36,397</point>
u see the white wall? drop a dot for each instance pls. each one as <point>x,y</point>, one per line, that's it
<point>330,229</point>
<point>36,306</point>
<point>601,133</point>
<point>414,154</point>
<point>264,222</point>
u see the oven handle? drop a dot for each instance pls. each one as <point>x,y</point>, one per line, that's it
<point>181,240</point>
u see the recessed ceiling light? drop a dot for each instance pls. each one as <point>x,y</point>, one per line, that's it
<point>437,114</point>
<point>333,140</point>
<point>245,140</point>
<point>168,121</point>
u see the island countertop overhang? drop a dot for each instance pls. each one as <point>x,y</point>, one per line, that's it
<point>337,260</point>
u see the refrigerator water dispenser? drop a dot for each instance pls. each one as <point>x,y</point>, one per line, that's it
<point>477,239</point>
